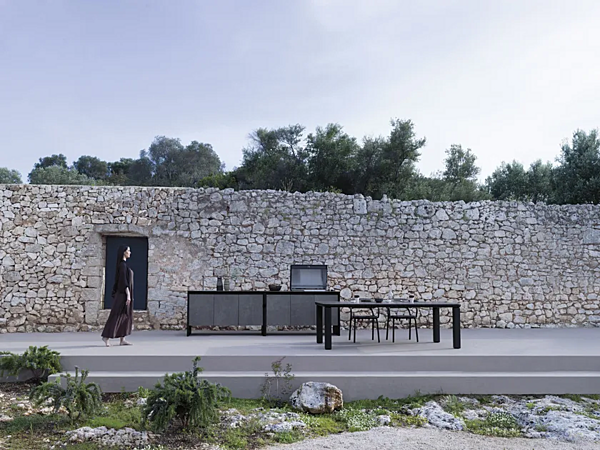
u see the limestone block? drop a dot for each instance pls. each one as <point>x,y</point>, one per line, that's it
<point>317,398</point>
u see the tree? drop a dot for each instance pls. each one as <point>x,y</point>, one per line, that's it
<point>92,167</point>
<point>460,175</point>
<point>331,159</point>
<point>508,182</point>
<point>539,181</point>
<point>49,161</point>
<point>460,165</point>
<point>275,159</point>
<point>162,154</point>
<point>387,165</point>
<point>8,176</point>
<point>58,175</point>
<point>118,171</point>
<point>168,163</point>
<point>577,177</point>
<point>195,162</point>
<point>141,172</point>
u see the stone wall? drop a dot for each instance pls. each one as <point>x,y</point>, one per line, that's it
<point>509,264</point>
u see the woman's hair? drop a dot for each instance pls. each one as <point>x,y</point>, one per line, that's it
<point>120,253</point>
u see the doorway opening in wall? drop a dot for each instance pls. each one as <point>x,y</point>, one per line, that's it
<point>138,263</point>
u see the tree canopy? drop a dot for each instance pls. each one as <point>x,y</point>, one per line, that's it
<point>329,159</point>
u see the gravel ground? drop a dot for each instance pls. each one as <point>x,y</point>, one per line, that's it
<point>428,439</point>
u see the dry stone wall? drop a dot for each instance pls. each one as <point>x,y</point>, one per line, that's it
<point>509,264</point>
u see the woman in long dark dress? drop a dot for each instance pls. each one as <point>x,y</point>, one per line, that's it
<point>120,320</point>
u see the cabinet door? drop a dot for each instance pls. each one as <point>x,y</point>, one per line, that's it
<point>278,309</point>
<point>201,309</point>
<point>226,309</point>
<point>303,311</point>
<point>251,309</point>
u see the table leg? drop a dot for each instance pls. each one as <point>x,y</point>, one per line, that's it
<point>436,324</point>
<point>319,324</point>
<point>328,328</point>
<point>189,331</point>
<point>456,326</point>
<point>264,324</point>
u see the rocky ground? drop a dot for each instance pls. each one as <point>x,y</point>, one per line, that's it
<point>439,422</point>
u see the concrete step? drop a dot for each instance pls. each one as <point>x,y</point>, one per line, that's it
<point>336,362</point>
<point>371,384</point>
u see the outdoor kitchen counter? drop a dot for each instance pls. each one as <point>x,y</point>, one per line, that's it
<point>256,308</point>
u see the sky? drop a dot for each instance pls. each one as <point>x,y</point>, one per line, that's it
<point>509,79</point>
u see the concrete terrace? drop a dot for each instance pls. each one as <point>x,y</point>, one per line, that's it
<point>491,361</point>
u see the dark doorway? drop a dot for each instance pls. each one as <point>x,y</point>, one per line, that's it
<point>138,263</point>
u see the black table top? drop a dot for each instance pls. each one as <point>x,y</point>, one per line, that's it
<point>384,305</point>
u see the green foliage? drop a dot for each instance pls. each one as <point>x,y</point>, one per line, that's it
<point>8,176</point>
<point>59,175</point>
<point>407,420</point>
<point>288,437</point>
<point>323,424</point>
<point>501,424</point>
<point>117,415</point>
<point>92,167</point>
<point>454,406</point>
<point>168,163</point>
<point>185,398</point>
<point>511,181</point>
<point>41,361</point>
<point>357,419</point>
<point>331,161</point>
<point>577,178</point>
<point>415,401</point>
<point>277,388</point>
<point>22,424</point>
<point>460,165</point>
<point>79,398</point>
<point>59,160</point>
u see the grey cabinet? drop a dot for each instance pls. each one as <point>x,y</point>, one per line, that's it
<point>226,308</point>
<point>229,308</point>
<point>250,309</point>
<point>200,309</point>
<point>278,309</point>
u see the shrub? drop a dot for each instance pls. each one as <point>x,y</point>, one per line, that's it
<point>184,397</point>
<point>78,397</point>
<point>277,389</point>
<point>41,361</point>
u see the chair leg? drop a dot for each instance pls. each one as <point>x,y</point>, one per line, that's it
<point>409,329</point>
<point>377,325</point>
<point>372,329</point>
<point>355,325</point>
<point>387,328</point>
<point>393,330</point>
<point>416,330</point>
<point>350,329</point>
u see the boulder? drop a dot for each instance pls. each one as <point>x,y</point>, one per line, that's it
<point>317,398</point>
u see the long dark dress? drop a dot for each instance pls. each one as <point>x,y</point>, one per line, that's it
<point>120,319</point>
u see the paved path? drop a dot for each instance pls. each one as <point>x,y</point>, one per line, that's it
<point>428,439</point>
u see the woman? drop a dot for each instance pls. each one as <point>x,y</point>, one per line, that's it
<point>120,320</point>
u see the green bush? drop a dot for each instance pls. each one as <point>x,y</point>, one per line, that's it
<point>79,398</point>
<point>276,389</point>
<point>41,361</point>
<point>185,398</point>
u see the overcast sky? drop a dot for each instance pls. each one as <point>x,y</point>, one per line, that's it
<point>508,79</point>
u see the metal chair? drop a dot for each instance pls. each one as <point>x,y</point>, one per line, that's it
<point>370,315</point>
<point>409,315</point>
